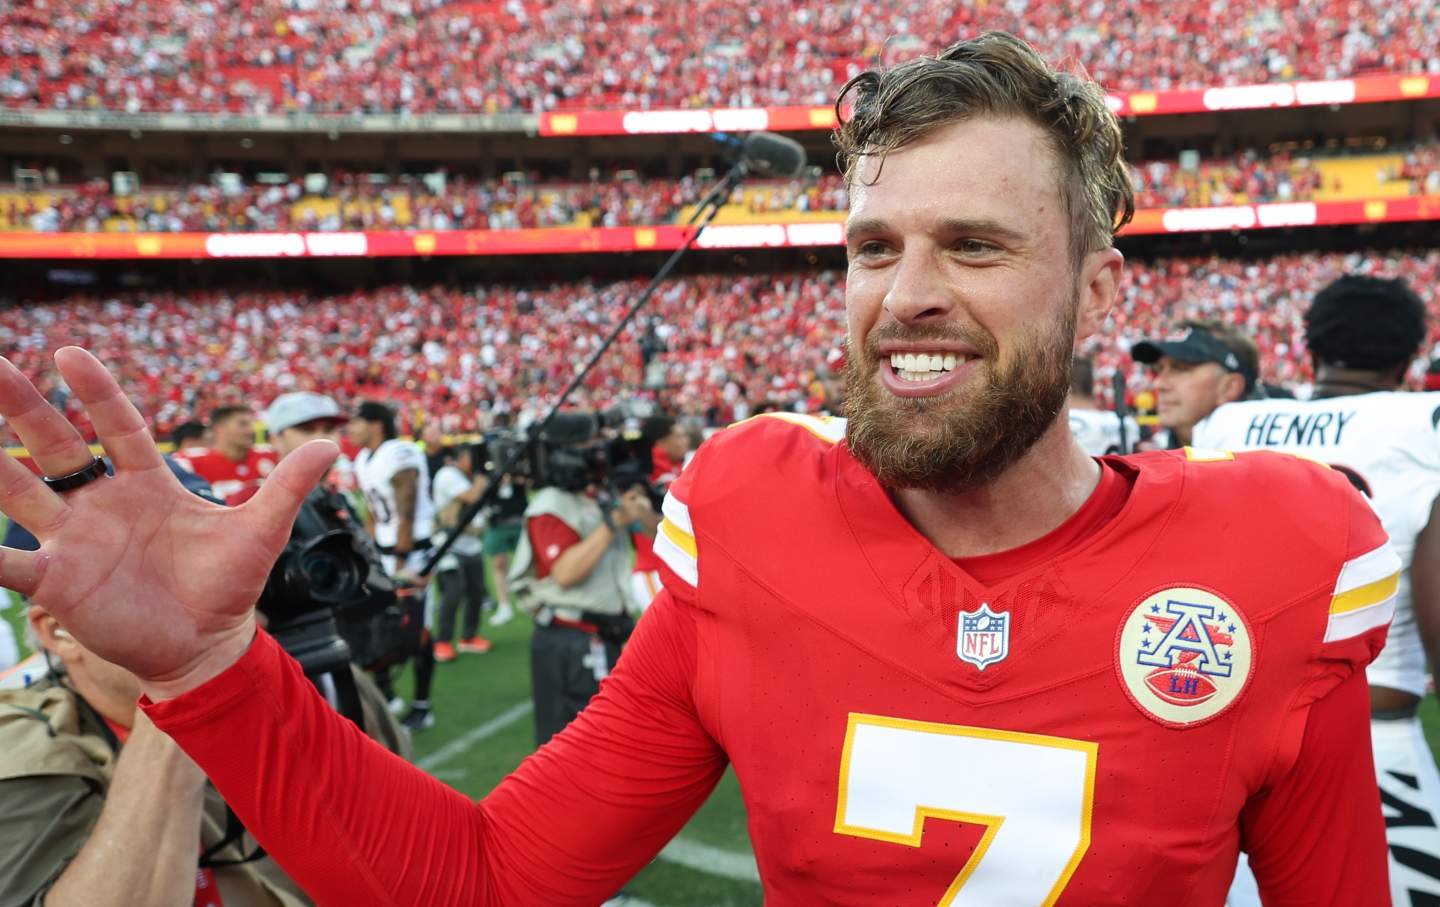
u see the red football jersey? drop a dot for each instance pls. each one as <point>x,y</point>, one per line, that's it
<point>232,481</point>
<point>1108,726</point>
<point>1102,728</point>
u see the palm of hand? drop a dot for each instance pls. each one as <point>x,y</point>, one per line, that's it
<point>136,568</point>
<point>149,575</point>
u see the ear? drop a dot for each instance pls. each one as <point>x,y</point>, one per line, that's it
<point>1099,283</point>
<point>52,637</point>
<point>1232,387</point>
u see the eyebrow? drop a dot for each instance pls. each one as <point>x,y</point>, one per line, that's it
<point>869,226</point>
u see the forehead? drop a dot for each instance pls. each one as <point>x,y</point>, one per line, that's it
<point>985,168</point>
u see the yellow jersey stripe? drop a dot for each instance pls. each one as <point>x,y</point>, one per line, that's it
<point>679,537</point>
<point>1366,595</point>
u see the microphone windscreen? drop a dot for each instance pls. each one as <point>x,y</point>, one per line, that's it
<point>773,155</point>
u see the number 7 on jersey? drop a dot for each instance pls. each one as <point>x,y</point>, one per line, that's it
<point>1034,795</point>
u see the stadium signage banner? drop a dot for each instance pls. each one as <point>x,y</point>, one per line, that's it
<point>1358,90</point>
<point>658,122</point>
<point>664,238</point>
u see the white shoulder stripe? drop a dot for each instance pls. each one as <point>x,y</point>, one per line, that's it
<point>1348,624</point>
<point>676,558</point>
<point>676,512</point>
<point>1370,567</point>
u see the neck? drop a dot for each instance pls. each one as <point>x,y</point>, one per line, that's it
<point>1038,493</point>
<point>1341,382</point>
<point>236,452</point>
<point>114,707</point>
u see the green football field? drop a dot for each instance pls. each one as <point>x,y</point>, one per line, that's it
<point>484,729</point>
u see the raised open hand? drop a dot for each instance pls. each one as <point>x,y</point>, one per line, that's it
<point>138,569</point>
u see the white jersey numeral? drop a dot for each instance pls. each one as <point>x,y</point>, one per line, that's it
<point>1034,795</point>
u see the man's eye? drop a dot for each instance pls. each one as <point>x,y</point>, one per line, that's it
<point>974,247</point>
<point>871,248</point>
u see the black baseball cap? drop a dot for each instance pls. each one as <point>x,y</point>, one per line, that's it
<point>1194,345</point>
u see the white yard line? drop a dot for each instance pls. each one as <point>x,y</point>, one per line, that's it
<point>713,861</point>
<point>461,744</point>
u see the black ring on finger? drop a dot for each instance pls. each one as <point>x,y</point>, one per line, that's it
<point>77,479</point>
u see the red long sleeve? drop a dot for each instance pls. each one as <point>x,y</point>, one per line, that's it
<point>353,824</point>
<point>1317,836</point>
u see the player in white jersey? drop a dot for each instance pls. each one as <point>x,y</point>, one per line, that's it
<point>1096,430</point>
<point>1363,333</point>
<point>395,479</point>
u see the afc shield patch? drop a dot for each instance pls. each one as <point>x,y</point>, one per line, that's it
<point>1184,655</point>
<point>983,636</point>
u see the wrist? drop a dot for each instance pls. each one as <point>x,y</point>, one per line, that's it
<point>216,659</point>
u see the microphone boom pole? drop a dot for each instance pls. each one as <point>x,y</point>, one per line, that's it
<point>704,214</point>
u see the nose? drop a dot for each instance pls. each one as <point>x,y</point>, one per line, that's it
<point>918,294</point>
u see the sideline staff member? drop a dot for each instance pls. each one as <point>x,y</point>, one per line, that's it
<point>572,571</point>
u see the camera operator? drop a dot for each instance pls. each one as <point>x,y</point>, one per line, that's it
<point>293,419</point>
<point>100,806</point>
<point>573,570</point>
<point>395,480</point>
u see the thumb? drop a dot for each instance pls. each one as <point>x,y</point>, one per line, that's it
<point>278,500</point>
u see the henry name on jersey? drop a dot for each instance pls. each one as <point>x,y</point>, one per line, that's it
<point>1311,429</point>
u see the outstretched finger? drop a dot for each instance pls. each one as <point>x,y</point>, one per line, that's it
<point>278,500</point>
<point>22,570</point>
<point>52,441</point>
<point>121,428</point>
<point>26,500</point>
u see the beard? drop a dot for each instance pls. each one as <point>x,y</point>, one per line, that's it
<point>963,439</point>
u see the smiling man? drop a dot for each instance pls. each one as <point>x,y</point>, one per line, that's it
<point>952,659</point>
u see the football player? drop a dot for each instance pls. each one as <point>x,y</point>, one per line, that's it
<point>395,480</point>
<point>952,658</point>
<point>1363,334</point>
<point>234,464</point>
<point>1097,431</point>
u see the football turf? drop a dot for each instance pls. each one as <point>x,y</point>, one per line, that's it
<point>484,729</point>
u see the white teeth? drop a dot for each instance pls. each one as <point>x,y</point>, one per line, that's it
<point>923,366</point>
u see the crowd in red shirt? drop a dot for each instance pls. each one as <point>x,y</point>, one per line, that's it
<point>718,347</point>
<point>351,202</point>
<point>417,56</point>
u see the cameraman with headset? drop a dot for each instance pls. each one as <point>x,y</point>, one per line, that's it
<point>103,808</point>
<point>572,573</point>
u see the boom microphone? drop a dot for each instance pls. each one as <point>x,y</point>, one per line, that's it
<point>772,155</point>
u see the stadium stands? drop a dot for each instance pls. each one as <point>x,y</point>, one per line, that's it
<point>352,203</point>
<point>419,56</point>
<point>729,341</point>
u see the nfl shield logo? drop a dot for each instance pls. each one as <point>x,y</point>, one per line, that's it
<point>984,636</point>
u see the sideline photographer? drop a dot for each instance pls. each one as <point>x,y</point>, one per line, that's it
<point>572,573</point>
<point>100,806</point>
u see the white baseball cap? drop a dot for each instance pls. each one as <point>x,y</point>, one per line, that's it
<point>290,410</point>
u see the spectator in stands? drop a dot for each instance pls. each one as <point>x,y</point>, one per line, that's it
<point>1199,367</point>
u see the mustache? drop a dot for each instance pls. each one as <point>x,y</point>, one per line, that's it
<point>979,340</point>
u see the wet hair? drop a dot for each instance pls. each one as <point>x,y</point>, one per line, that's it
<point>1367,323</point>
<point>999,75</point>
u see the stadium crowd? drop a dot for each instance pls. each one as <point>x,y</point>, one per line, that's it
<point>353,202</point>
<point>417,56</point>
<point>712,348</point>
